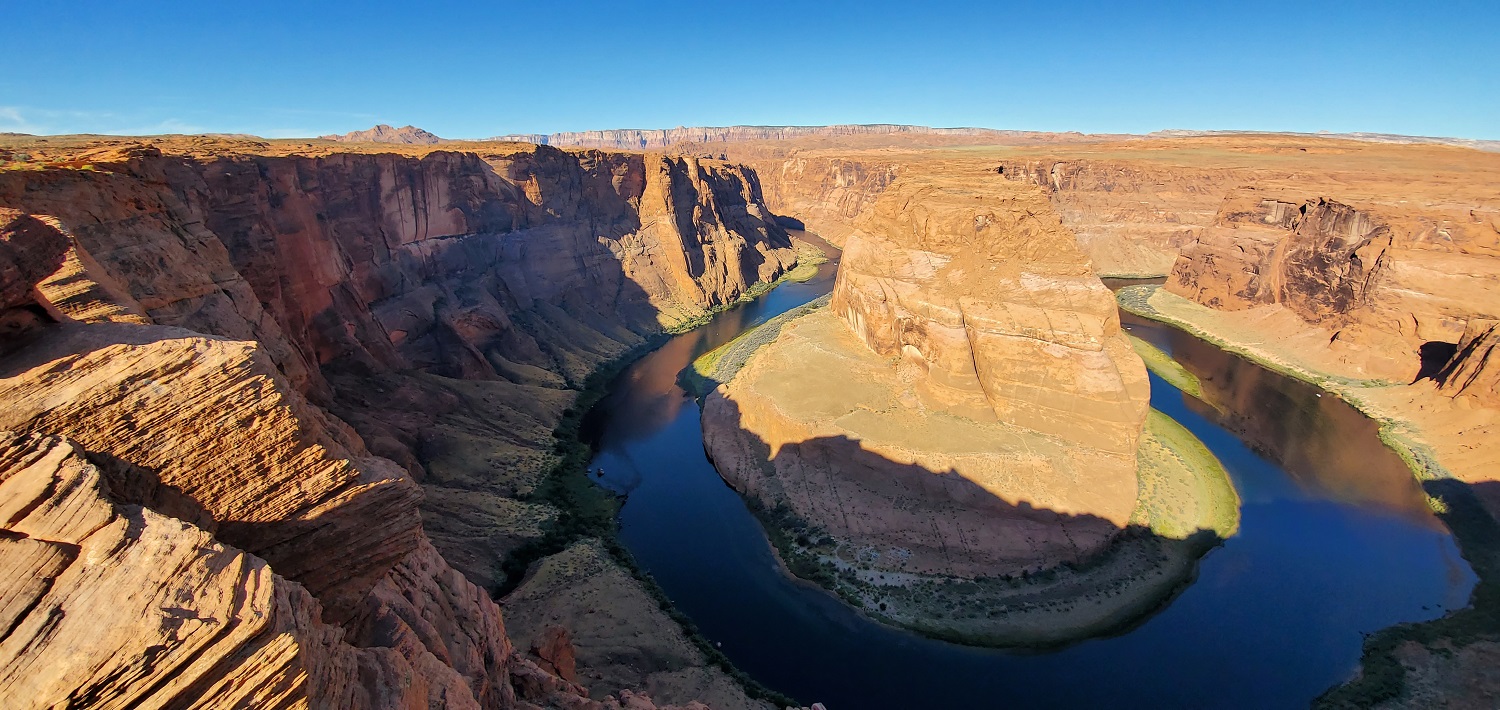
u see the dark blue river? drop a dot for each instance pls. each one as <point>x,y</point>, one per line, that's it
<point>1335,541</point>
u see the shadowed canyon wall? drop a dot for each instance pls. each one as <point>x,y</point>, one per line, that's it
<point>200,318</point>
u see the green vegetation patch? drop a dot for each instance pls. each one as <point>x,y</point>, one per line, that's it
<point>1167,368</point>
<point>721,364</point>
<point>1184,490</point>
<point>1382,676</point>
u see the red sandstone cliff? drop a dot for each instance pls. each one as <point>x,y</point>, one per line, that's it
<point>1382,281</point>
<point>186,317</point>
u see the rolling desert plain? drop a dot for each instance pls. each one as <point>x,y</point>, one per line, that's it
<point>862,416</point>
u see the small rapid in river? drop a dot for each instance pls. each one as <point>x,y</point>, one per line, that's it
<point>1335,541</point>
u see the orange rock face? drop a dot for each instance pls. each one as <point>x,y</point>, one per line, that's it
<point>1131,218</point>
<point>121,606</point>
<point>982,289</point>
<point>987,408</point>
<point>29,252</point>
<point>213,298</point>
<point>1474,371</point>
<point>1382,282</point>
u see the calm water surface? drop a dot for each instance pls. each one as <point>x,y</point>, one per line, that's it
<point>1335,541</point>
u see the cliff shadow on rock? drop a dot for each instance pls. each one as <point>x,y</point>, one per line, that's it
<point>937,553</point>
<point>438,309</point>
<point>448,304</point>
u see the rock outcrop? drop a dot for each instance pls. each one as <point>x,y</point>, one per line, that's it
<point>199,306</point>
<point>30,251</point>
<point>1474,370</point>
<point>515,273</point>
<point>209,431</point>
<point>829,195</point>
<point>1381,283</point>
<point>988,409</point>
<point>983,290</point>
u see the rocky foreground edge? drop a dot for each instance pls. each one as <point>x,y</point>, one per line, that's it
<point>274,416</point>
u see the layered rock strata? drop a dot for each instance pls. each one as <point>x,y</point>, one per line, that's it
<point>1381,284</point>
<point>196,313</point>
<point>1474,370</point>
<point>1131,218</point>
<point>987,408</point>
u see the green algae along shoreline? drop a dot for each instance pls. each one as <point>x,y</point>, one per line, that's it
<point>587,511</point>
<point>1382,677</point>
<point>1186,506</point>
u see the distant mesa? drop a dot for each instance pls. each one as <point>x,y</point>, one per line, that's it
<point>663,138</point>
<point>408,135</point>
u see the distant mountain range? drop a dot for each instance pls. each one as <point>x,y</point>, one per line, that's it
<point>652,139</point>
<point>662,138</point>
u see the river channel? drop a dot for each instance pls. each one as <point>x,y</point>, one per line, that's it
<point>1335,541</point>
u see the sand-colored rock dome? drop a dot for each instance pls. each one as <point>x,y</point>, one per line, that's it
<point>967,405</point>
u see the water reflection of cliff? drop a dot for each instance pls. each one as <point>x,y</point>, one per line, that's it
<point>652,399</point>
<point>1327,447</point>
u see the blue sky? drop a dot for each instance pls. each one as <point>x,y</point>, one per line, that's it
<point>482,69</point>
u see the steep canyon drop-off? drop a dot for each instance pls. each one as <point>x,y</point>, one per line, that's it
<point>243,366</point>
<point>239,354</point>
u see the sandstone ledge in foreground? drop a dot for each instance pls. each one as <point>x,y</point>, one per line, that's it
<point>1185,506</point>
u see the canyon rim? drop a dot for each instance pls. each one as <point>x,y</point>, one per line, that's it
<point>297,422</point>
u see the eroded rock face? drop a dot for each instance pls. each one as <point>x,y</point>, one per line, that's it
<point>448,262</point>
<point>209,430</point>
<point>1474,371</point>
<point>828,194</point>
<point>111,605</point>
<point>119,606</point>
<point>967,406</point>
<point>30,250</point>
<point>1131,218</point>
<point>216,296</point>
<point>984,292</point>
<point>1318,258</point>
<point>1381,282</point>
<point>522,268</point>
